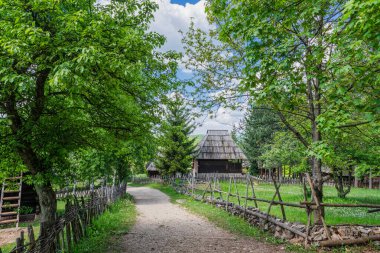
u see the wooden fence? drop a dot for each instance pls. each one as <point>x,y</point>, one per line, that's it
<point>70,227</point>
<point>210,190</point>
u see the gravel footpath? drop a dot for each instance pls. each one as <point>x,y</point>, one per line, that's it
<point>164,227</point>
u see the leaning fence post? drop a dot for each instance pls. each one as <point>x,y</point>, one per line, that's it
<point>279,198</point>
<point>253,192</point>
<point>318,205</point>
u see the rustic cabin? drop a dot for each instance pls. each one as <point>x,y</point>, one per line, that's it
<point>152,170</point>
<point>218,153</point>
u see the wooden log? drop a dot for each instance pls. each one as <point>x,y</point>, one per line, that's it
<point>269,201</point>
<point>318,205</point>
<point>363,240</point>
<point>341,205</point>
<point>274,221</point>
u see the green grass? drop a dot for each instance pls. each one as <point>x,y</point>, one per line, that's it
<point>294,194</point>
<point>239,226</point>
<point>113,223</point>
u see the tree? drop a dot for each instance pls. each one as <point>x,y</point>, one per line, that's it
<point>288,56</point>
<point>259,126</point>
<point>75,74</point>
<point>176,146</point>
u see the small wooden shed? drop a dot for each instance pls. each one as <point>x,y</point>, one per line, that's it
<point>152,170</point>
<point>218,153</point>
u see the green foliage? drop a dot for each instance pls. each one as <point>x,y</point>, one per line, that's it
<point>78,80</point>
<point>177,147</point>
<point>25,210</point>
<point>285,150</point>
<point>314,63</point>
<point>259,126</point>
<point>112,224</point>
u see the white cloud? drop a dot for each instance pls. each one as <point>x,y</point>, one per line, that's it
<point>170,18</point>
<point>223,119</point>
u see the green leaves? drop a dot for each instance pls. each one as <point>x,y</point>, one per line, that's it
<point>80,80</point>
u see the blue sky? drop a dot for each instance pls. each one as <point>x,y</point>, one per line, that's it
<point>181,2</point>
<point>175,15</point>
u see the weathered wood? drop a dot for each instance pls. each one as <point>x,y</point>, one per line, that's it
<point>246,197</point>
<point>279,198</point>
<point>318,205</point>
<point>342,205</point>
<point>269,201</point>
<point>32,240</point>
<point>229,193</point>
<point>253,191</point>
<point>274,221</point>
<point>18,245</point>
<point>236,191</point>
<point>363,240</point>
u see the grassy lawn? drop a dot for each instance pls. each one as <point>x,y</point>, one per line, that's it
<point>294,194</point>
<point>105,230</point>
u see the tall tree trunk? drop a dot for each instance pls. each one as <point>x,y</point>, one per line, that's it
<point>48,203</point>
<point>316,163</point>
<point>45,192</point>
<point>318,188</point>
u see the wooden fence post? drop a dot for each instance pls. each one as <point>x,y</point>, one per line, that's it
<point>246,196</point>
<point>279,198</point>
<point>229,193</point>
<point>237,191</point>
<point>253,192</point>
<point>318,205</point>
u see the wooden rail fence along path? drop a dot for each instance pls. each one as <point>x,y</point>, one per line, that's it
<point>209,189</point>
<point>70,227</point>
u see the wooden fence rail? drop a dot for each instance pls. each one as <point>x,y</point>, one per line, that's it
<point>211,191</point>
<point>70,227</point>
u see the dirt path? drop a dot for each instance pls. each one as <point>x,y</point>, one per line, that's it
<point>165,227</point>
<point>9,235</point>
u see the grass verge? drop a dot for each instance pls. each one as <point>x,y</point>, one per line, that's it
<point>108,227</point>
<point>239,226</point>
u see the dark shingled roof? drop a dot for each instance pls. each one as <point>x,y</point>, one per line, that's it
<point>219,145</point>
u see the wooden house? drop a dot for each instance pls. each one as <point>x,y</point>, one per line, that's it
<point>152,170</point>
<point>218,153</point>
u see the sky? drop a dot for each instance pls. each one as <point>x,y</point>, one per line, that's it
<point>175,15</point>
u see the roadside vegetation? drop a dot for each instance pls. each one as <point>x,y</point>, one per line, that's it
<point>238,225</point>
<point>108,227</point>
<point>294,194</point>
